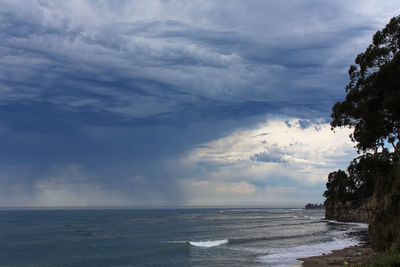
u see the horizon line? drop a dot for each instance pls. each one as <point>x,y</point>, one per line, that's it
<point>94,207</point>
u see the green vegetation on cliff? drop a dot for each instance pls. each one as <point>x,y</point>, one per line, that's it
<point>372,109</point>
<point>390,258</point>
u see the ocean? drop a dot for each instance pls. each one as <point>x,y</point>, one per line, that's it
<point>167,237</point>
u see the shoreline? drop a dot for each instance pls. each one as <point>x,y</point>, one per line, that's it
<point>353,255</point>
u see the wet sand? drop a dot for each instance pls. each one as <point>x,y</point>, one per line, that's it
<point>352,255</point>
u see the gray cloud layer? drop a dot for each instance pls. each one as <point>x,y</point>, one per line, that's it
<point>120,87</point>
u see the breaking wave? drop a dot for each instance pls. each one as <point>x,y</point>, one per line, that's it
<point>209,244</point>
<point>288,256</point>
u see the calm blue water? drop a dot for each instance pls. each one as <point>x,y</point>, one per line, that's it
<point>181,237</point>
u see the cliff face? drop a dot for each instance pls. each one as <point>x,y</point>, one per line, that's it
<point>381,213</point>
<point>385,223</point>
<point>348,212</point>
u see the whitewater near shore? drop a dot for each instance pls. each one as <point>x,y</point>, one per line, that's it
<point>186,237</point>
<point>350,255</point>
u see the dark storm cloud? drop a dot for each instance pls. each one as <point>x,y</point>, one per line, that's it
<point>266,157</point>
<point>304,124</point>
<point>120,87</point>
<point>117,64</point>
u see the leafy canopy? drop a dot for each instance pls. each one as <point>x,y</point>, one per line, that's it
<point>372,109</point>
<point>372,103</point>
<point>339,186</point>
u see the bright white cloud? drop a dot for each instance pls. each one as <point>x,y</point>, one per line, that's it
<point>288,154</point>
<point>315,144</point>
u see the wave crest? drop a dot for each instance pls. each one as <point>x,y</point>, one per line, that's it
<point>209,244</point>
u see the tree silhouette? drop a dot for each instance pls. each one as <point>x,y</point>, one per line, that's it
<point>372,103</point>
<point>339,186</point>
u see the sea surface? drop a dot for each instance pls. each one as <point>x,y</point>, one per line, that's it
<point>167,237</point>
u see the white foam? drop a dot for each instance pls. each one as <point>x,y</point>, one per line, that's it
<point>209,244</point>
<point>315,218</point>
<point>288,256</point>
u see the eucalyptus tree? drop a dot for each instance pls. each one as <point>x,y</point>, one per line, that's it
<point>372,103</point>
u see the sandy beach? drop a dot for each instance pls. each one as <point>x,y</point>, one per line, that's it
<point>351,255</point>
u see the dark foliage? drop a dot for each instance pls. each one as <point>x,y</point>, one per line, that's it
<point>371,105</point>
<point>372,109</point>
<point>390,258</point>
<point>366,170</point>
<point>339,186</point>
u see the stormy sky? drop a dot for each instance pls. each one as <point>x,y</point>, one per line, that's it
<point>175,103</point>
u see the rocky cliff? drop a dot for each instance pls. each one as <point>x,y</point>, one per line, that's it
<point>348,211</point>
<point>382,213</point>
